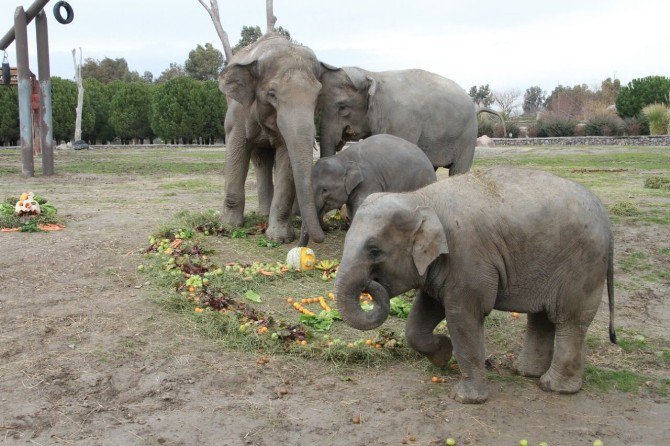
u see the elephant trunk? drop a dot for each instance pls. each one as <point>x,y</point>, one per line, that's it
<point>331,137</point>
<point>297,128</point>
<point>349,284</point>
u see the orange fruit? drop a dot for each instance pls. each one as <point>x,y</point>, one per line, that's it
<point>368,342</point>
<point>289,300</point>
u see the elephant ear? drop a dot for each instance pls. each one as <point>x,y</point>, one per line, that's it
<point>352,177</point>
<point>238,81</point>
<point>430,240</point>
<point>361,80</point>
<point>327,68</point>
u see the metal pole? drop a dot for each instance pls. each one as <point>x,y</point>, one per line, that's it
<point>21,30</point>
<point>32,11</point>
<point>46,127</point>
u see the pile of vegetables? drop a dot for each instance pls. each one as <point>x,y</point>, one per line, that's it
<point>29,213</point>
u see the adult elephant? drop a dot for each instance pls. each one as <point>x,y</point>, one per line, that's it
<point>421,107</point>
<point>272,89</point>
<point>510,239</point>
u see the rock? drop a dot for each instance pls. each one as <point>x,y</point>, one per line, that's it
<point>80,145</point>
<point>485,141</point>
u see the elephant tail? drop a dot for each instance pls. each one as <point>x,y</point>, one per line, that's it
<point>494,113</point>
<point>610,288</point>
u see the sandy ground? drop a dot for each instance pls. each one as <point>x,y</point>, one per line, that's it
<point>85,358</point>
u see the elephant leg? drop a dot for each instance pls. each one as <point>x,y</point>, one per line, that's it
<point>237,166</point>
<point>466,327</point>
<point>280,228</point>
<point>566,373</point>
<point>295,209</point>
<point>538,346</point>
<point>426,313</point>
<point>263,161</point>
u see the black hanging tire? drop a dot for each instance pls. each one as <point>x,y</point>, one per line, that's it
<point>68,10</point>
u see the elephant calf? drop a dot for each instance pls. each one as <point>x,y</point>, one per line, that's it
<point>507,239</point>
<point>380,163</point>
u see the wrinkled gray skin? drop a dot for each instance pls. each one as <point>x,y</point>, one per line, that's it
<point>509,239</point>
<point>380,163</point>
<point>424,108</point>
<point>272,89</point>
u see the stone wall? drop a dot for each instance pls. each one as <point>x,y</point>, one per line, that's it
<point>661,140</point>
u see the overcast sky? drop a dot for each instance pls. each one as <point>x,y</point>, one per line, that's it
<point>507,44</point>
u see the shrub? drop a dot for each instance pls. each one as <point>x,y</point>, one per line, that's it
<point>624,209</point>
<point>632,98</point>
<point>552,125</point>
<point>657,183</point>
<point>658,117</point>
<point>580,130</point>
<point>511,127</point>
<point>485,126</point>
<point>605,125</point>
<point>533,130</point>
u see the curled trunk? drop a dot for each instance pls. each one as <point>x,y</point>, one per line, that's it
<point>349,285</point>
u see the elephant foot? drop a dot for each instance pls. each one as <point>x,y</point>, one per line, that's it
<point>551,382</point>
<point>531,368</point>
<point>469,392</point>
<point>232,218</point>
<point>280,232</point>
<point>441,357</point>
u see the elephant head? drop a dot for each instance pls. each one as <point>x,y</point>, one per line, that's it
<point>344,103</point>
<point>333,180</point>
<point>387,251</point>
<point>278,83</point>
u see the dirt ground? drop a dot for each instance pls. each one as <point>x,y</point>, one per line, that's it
<point>85,358</point>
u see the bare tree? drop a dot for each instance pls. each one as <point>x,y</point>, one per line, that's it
<point>80,93</point>
<point>213,11</point>
<point>270,16</point>
<point>508,101</point>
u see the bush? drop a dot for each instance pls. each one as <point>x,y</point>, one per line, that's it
<point>533,130</point>
<point>485,126</point>
<point>605,125</point>
<point>657,183</point>
<point>624,209</point>
<point>552,125</point>
<point>639,93</point>
<point>511,127</point>
<point>658,117</point>
<point>636,126</point>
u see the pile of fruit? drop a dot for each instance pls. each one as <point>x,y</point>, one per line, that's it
<point>28,213</point>
<point>329,268</point>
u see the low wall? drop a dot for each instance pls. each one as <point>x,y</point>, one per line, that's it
<point>660,140</point>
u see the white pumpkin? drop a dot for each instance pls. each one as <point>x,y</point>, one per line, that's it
<point>301,259</point>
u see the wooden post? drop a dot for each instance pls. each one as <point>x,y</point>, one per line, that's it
<point>25,121</point>
<point>80,94</point>
<point>44,72</point>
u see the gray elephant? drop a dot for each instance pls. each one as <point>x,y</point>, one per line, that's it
<point>424,108</point>
<point>272,88</point>
<point>506,239</point>
<point>380,163</point>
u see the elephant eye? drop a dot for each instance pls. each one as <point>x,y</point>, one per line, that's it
<point>271,94</point>
<point>374,252</point>
<point>341,106</point>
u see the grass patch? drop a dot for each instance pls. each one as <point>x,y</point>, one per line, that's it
<point>624,209</point>
<point>656,182</point>
<point>608,380</point>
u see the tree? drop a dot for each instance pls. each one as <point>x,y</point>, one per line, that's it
<point>178,109</point>
<point>641,92</point>
<point>9,115</point>
<point>533,100</point>
<point>175,70</point>
<point>130,111</point>
<point>80,94</point>
<point>108,70</point>
<point>96,93</point>
<point>608,91</point>
<point>204,63</point>
<point>213,11</point>
<point>64,103</point>
<point>148,77</point>
<point>248,35</point>
<point>214,109</point>
<point>481,95</point>
<point>507,100</point>
<point>569,102</point>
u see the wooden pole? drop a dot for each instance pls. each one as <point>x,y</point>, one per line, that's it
<point>271,19</point>
<point>44,72</point>
<point>213,11</point>
<point>25,118</point>
<point>80,94</point>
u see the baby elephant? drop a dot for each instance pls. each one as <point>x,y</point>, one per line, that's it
<point>380,163</point>
<point>507,239</point>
